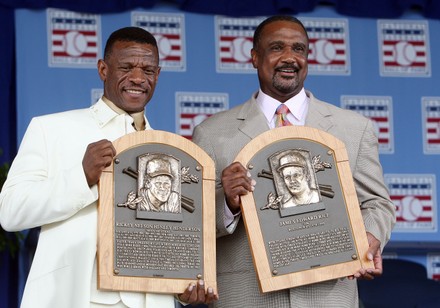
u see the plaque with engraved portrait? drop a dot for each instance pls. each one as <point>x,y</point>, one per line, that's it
<point>303,219</point>
<point>156,228</point>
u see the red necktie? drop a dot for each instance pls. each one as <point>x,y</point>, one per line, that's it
<point>281,116</point>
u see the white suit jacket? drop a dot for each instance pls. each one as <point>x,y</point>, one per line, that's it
<point>46,186</point>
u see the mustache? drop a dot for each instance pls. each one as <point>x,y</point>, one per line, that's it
<point>287,66</point>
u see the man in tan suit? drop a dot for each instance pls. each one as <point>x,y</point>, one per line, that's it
<point>279,54</point>
<point>53,180</point>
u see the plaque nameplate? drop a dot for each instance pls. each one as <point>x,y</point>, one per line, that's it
<point>303,219</point>
<point>156,226</point>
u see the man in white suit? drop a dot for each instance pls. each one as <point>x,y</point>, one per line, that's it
<point>280,50</point>
<point>53,180</point>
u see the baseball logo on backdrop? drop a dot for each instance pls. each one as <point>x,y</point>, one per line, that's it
<point>234,40</point>
<point>329,46</point>
<point>379,109</point>
<point>73,39</point>
<point>431,125</point>
<point>169,31</point>
<point>404,48</point>
<point>194,107</point>
<point>433,266</point>
<point>414,196</point>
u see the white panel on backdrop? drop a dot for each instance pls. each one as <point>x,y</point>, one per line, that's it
<point>329,46</point>
<point>234,37</point>
<point>404,48</point>
<point>169,31</point>
<point>431,125</point>
<point>380,110</point>
<point>73,39</point>
<point>192,108</point>
<point>433,265</point>
<point>414,196</point>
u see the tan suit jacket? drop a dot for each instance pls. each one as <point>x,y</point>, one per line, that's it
<point>223,135</point>
<point>46,187</point>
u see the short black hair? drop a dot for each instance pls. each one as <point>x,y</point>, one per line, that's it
<point>259,29</point>
<point>129,34</point>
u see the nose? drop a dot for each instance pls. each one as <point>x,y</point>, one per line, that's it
<point>289,56</point>
<point>137,76</point>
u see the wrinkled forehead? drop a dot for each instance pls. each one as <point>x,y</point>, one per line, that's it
<point>285,29</point>
<point>129,51</point>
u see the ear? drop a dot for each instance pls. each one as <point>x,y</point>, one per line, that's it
<point>157,73</point>
<point>148,184</point>
<point>102,69</point>
<point>254,57</point>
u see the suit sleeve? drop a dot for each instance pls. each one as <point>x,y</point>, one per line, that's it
<point>38,191</point>
<point>377,209</point>
<point>204,140</point>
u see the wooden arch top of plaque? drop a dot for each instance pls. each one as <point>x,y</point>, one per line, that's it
<point>156,215</point>
<point>303,219</point>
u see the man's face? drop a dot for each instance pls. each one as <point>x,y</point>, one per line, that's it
<point>130,75</point>
<point>295,179</point>
<point>281,59</point>
<point>161,187</point>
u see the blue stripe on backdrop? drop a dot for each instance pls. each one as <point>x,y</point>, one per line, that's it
<point>7,87</point>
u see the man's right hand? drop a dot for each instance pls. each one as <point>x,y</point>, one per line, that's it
<point>236,181</point>
<point>98,156</point>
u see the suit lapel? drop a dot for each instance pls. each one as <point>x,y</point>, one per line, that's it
<point>319,116</point>
<point>253,120</point>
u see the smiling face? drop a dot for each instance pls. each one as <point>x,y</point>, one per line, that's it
<point>160,189</point>
<point>281,59</point>
<point>130,73</point>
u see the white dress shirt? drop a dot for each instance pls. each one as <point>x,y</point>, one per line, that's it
<point>298,106</point>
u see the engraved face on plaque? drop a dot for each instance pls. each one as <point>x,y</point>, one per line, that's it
<point>294,177</point>
<point>159,184</point>
<point>159,187</point>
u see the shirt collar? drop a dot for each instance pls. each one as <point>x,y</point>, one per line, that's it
<point>297,105</point>
<point>105,111</point>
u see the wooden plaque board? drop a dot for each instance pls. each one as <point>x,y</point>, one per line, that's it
<point>321,239</point>
<point>141,249</point>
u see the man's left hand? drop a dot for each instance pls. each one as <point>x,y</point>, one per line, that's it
<point>195,294</point>
<point>373,254</point>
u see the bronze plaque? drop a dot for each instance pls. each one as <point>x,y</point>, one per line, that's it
<point>156,215</point>
<point>303,219</point>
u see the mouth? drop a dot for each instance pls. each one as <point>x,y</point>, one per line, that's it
<point>135,92</point>
<point>287,70</point>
